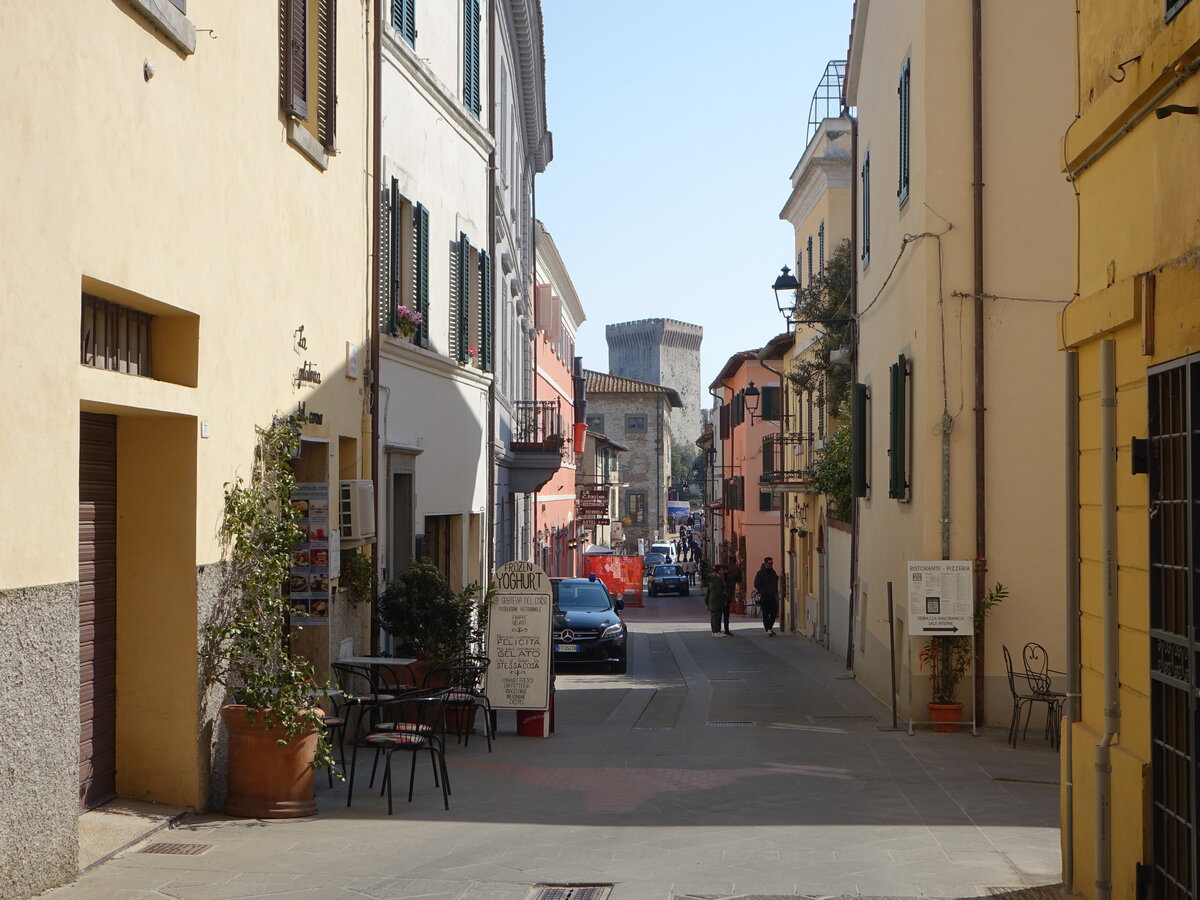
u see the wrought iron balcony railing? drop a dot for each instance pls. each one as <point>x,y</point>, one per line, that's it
<point>539,425</point>
<point>789,459</point>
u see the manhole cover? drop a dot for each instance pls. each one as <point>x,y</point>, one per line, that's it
<point>731,724</point>
<point>177,849</point>
<point>571,891</point>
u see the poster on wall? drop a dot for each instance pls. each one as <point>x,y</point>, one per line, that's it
<point>518,638</point>
<point>309,577</point>
<point>940,598</point>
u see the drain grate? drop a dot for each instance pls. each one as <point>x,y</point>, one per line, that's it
<point>730,724</point>
<point>571,891</point>
<point>169,849</point>
<point>726,680</point>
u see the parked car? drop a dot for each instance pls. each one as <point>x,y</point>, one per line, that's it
<point>650,560</point>
<point>667,550</point>
<point>668,579</point>
<point>587,624</point>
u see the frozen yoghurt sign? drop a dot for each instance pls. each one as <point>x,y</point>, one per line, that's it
<point>519,619</point>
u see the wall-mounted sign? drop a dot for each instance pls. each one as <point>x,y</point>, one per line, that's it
<point>518,638</point>
<point>307,374</point>
<point>593,494</point>
<point>940,598</point>
<point>308,581</point>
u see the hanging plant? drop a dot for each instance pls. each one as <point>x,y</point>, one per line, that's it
<point>244,648</point>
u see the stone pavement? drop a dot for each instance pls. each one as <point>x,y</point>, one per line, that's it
<point>732,767</point>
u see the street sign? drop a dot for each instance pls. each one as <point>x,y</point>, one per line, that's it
<point>518,638</point>
<point>940,598</point>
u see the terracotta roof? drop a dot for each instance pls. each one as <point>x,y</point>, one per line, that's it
<point>603,383</point>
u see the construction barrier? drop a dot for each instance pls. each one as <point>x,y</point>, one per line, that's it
<point>622,575</point>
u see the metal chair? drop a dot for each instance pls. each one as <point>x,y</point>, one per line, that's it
<point>464,676</point>
<point>1025,693</point>
<point>1037,667</point>
<point>412,731</point>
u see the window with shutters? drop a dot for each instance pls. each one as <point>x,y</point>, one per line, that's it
<point>904,95</point>
<point>308,76</point>
<point>404,20</point>
<point>738,413</point>
<point>810,259</point>
<point>771,403</point>
<point>769,501</point>
<point>821,240</point>
<point>865,175</point>
<point>404,269</point>
<point>462,290</point>
<point>471,80</point>
<point>635,507</point>
<point>734,492</point>
<point>486,329</point>
<point>898,431</point>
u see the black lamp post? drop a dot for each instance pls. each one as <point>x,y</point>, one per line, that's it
<point>750,396</point>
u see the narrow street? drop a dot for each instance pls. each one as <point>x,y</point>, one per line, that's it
<point>738,767</point>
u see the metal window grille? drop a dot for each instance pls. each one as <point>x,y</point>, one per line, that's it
<point>1173,393</point>
<point>115,337</point>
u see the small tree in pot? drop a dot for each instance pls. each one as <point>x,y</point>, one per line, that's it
<point>426,618</point>
<point>276,733</point>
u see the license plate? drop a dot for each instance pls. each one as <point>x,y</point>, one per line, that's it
<point>566,648</point>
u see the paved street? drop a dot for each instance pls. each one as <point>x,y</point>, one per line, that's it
<point>738,767</point>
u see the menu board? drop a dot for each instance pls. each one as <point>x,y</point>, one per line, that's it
<point>518,638</point>
<point>309,577</point>
<point>940,598</point>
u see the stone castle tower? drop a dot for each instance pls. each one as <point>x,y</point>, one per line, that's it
<point>666,352</point>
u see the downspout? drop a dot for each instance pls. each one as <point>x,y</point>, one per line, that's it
<point>1108,538</point>
<point>376,256</point>
<point>493,523</point>
<point>785,582</point>
<point>1071,710</point>
<point>980,433</point>
<point>855,518</point>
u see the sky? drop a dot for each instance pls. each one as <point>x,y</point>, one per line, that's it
<point>677,124</point>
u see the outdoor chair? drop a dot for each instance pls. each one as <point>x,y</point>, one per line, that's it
<point>1026,691</point>
<point>412,731</point>
<point>465,676</point>
<point>1037,666</point>
<point>360,697</point>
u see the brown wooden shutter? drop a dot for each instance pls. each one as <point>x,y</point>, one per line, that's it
<point>295,58</point>
<point>327,74</point>
<point>724,422</point>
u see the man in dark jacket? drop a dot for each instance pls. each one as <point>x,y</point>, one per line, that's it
<point>766,582</point>
<point>733,577</point>
<point>714,598</point>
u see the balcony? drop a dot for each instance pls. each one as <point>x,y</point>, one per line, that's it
<point>539,443</point>
<point>789,460</point>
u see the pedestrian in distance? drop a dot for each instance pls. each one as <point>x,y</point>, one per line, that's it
<point>714,599</point>
<point>766,582</point>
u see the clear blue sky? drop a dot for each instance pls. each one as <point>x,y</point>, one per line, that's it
<point>677,124</point>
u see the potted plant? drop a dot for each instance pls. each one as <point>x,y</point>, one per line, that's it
<point>948,659</point>
<point>357,577</point>
<point>276,733</point>
<point>427,619</point>
<point>554,440</point>
<point>407,321</point>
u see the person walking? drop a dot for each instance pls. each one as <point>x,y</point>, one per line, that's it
<point>732,576</point>
<point>714,599</point>
<point>766,582</point>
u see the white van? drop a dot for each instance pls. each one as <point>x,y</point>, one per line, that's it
<point>667,550</point>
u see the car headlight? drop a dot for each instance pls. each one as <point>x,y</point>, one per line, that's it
<point>612,631</point>
<point>657,580</point>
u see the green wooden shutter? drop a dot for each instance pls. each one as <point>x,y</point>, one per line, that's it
<point>485,311</point>
<point>295,58</point>
<point>471,16</point>
<point>421,270</point>
<point>389,243</point>
<point>462,316</point>
<point>771,407</point>
<point>898,431</point>
<point>764,501</point>
<point>866,208</point>
<point>404,19</point>
<point>327,74</point>
<point>739,409</point>
<point>858,440</point>
<point>903,156</point>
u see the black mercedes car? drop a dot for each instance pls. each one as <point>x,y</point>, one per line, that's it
<point>587,624</point>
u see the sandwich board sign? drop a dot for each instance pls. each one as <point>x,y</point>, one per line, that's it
<point>940,598</point>
<point>518,639</point>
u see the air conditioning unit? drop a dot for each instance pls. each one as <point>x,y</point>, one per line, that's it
<point>356,509</point>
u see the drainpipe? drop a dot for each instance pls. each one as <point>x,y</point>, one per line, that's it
<point>492,520</point>
<point>854,516</point>
<point>1072,569</point>
<point>376,256</point>
<point>786,583</point>
<point>980,434</point>
<point>1108,537</point>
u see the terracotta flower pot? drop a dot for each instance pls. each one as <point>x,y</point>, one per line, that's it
<point>267,780</point>
<point>948,715</point>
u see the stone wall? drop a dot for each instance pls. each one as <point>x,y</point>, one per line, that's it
<point>666,352</point>
<point>39,752</point>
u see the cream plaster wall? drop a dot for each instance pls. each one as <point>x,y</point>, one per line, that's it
<point>914,310</point>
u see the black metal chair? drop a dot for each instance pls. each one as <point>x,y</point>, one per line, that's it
<point>465,675</point>
<point>1026,691</point>
<point>413,730</point>
<point>1037,667</point>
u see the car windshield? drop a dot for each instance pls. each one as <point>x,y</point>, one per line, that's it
<point>666,570</point>
<point>581,595</point>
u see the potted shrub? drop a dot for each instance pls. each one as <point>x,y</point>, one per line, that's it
<point>427,619</point>
<point>276,733</point>
<point>948,659</point>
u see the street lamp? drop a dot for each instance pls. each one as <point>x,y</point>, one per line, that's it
<point>750,397</point>
<point>786,282</point>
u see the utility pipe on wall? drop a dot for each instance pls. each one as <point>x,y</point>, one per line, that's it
<point>1071,709</point>
<point>1108,538</point>
<point>375,192</point>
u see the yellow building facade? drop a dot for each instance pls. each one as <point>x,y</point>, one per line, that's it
<point>186,257</point>
<point>1130,801</point>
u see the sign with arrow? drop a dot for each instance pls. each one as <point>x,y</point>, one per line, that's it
<point>940,598</point>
